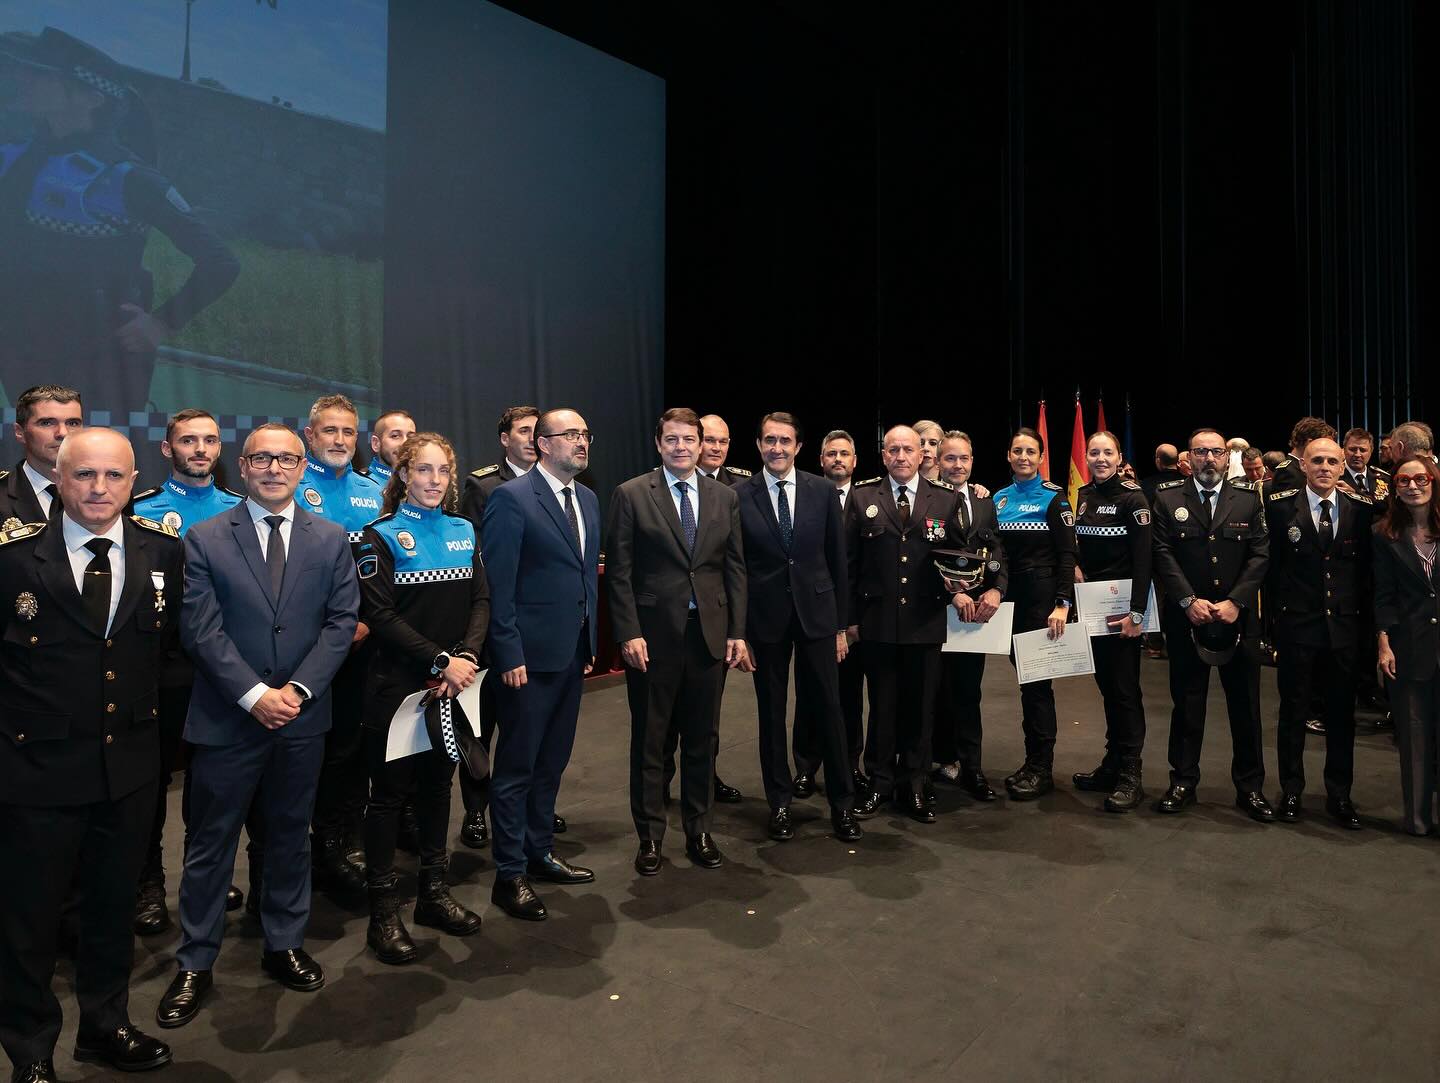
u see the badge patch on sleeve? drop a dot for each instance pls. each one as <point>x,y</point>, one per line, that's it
<point>368,566</point>
<point>1142,516</point>
<point>1067,518</point>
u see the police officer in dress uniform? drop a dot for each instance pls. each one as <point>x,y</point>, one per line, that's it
<point>189,496</point>
<point>897,605</point>
<point>1319,582</point>
<point>90,601</point>
<point>1375,483</point>
<point>1112,537</point>
<point>1211,553</point>
<point>332,489</point>
<point>78,199</point>
<point>1288,473</point>
<point>44,416</point>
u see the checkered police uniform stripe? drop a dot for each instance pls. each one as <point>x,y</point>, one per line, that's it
<point>1024,526</point>
<point>447,730</point>
<point>108,87</point>
<point>74,229</point>
<point>1102,531</point>
<point>435,575</point>
<point>356,535</point>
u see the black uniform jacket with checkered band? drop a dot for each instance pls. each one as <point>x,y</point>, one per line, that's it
<point>423,592</point>
<point>1317,595</point>
<point>1112,535</point>
<point>79,708</point>
<point>1225,559</point>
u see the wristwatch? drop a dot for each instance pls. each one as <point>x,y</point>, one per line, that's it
<point>441,663</point>
<point>1137,618</point>
<point>1187,601</point>
<point>300,691</point>
<point>1064,603</point>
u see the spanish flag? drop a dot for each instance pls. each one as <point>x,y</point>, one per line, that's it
<point>1079,470</point>
<point>1044,443</point>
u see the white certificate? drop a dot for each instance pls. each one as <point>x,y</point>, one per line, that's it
<point>469,701</point>
<point>1040,658</point>
<point>992,637</point>
<point>407,735</point>
<point>1096,602</point>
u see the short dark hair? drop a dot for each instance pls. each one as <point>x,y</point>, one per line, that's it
<point>271,426</point>
<point>1358,434</point>
<point>182,416</point>
<point>780,417</point>
<point>679,415</point>
<point>1311,428</point>
<point>25,404</point>
<point>837,434</point>
<point>391,413</point>
<point>1027,431</point>
<point>516,414</point>
<point>1196,432</point>
<point>1250,454</point>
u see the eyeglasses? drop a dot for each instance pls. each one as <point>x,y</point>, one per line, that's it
<point>575,436</point>
<point>1209,452</point>
<point>1412,481</point>
<point>261,460</point>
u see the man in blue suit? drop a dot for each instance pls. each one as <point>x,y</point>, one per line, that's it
<point>271,598</point>
<point>542,551</point>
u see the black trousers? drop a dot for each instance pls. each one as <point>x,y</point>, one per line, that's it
<point>97,849</point>
<point>343,788</point>
<point>817,686</point>
<point>475,792</point>
<point>1417,737</point>
<point>805,736</point>
<point>681,688</point>
<point>422,780</point>
<point>1367,659</point>
<point>1189,687</point>
<point>1117,675</point>
<point>957,710</point>
<point>1304,670</point>
<point>902,679</point>
<point>1034,597</point>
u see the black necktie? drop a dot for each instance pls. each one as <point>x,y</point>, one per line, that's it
<point>1208,495</point>
<point>902,505</point>
<point>841,494</point>
<point>570,514</point>
<point>95,594</point>
<point>964,513</point>
<point>787,525</point>
<point>1327,528</point>
<point>275,554</point>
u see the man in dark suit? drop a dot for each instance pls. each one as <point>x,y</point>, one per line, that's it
<point>271,598</point>
<point>1318,584</point>
<point>796,572</point>
<point>542,554</point>
<point>1373,482</point>
<point>90,601</point>
<point>44,416</point>
<point>675,569</point>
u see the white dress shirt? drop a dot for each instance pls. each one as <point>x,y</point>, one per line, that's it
<point>556,485</point>
<point>911,487</point>
<point>1315,498</point>
<point>38,482</point>
<point>773,489</point>
<point>517,469</point>
<point>75,538</point>
<point>262,532</point>
<point>693,492</point>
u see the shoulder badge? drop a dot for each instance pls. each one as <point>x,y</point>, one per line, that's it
<point>24,530</point>
<point>151,524</point>
<point>867,481</point>
<point>1247,485</point>
<point>1359,498</point>
<point>1129,485</point>
<point>485,471</point>
<point>739,471</point>
<point>942,484</point>
<point>1052,486</point>
<point>145,495</point>
<point>1379,472</point>
<point>1282,494</point>
<point>1169,485</point>
<point>1287,461</point>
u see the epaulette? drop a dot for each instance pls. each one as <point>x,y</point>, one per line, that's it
<point>145,495</point>
<point>1359,498</point>
<point>4,474</point>
<point>867,481</point>
<point>24,530</point>
<point>1281,495</point>
<point>739,471</point>
<point>151,524</point>
<point>1052,486</point>
<point>1378,471</point>
<point>1169,484</point>
<point>942,484</point>
<point>1129,485</point>
<point>1284,463</point>
<point>232,492</point>
<point>1249,486</point>
<point>484,471</point>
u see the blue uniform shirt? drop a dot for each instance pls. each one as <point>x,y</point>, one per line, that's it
<point>426,545</point>
<point>340,495</point>
<point>182,506</point>
<point>379,471</point>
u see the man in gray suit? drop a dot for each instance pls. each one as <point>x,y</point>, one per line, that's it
<point>271,598</point>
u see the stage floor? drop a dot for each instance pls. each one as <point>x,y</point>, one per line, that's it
<point>1004,942</point>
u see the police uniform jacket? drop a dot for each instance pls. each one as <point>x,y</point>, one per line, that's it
<point>896,595</point>
<point>479,484</point>
<point>1038,527</point>
<point>731,475</point>
<point>1225,560</point>
<point>18,500</point>
<point>78,708</point>
<point>339,494</point>
<point>1112,533</point>
<point>983,533</point>
<point>1317,595</point>
<point>1374,482</point>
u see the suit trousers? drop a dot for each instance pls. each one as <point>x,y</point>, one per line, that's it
<point>957,710</point>
<point>902,679</point>
<point>280,775</point>
<point>94,849</point>
<point>672,738</point>
<point>343,788</point>
<point>1303,670</point>
<point>422,780</point>
<point>805,738</point>
<point>475,792</point>
<point>534,738</point>
<point>1117,675</point>
<point>817,686</point>
<point>174,703</point>
<point>1189,689</point>
<point>679,689</point>
<point>1417,717</point>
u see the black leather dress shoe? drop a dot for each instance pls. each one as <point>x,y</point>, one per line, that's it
<point>1256,806</point>
<point>928,793</point>
<point>647,858</point>
<point>556,870</point>
<point>780,828</point>
<point>518,899</point>
<point>918,809</point>
<point>560,825</point>
<point>1176,798</point>
<point>474,832</point>
<point>976,785</point>
<point>727,795</point>
<point>702,850</point>
<point>152,916</point>
<point>1343,813</point>
<point>181,1002</point>
<point>846,829</point>
<point>1288,809</point>
<point>234,899</point>
<point>335,873</point>
<point>868,804</point>
<point>294,969</point>
<point>804,786</point>
<point>127,1048</point>
<point>41,1071</point>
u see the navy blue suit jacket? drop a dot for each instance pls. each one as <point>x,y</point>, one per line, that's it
<point>239,636</point>
<point>541,586</point>
<point>811,578</point>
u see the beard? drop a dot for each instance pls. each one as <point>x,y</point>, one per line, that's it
<point>199,473</point>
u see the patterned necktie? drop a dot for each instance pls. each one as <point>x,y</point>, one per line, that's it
<point>687,515</point>
<point>964,513</point>
<point>275,554</point>
<point>787,527</point>
<point>1208,495</point>
<point>902,505</point>
<point>95,594</point>
<point>570,515</point>
<point>1327,528</point>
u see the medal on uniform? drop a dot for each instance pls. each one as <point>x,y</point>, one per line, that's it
<point>1293,533</point>
<point>934,530</point>
<point>872,511</point>
<point>158,579</point>
<point>26,606</point>
<point>1181,514</point>
<point>11,523</point>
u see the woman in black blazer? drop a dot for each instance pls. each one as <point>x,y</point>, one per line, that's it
<point>1407,622</point>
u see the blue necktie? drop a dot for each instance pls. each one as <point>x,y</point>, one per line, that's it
<point>687,515</point>
<point>787,527</point>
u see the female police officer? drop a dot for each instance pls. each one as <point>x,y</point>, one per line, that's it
<point>427,603</point>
